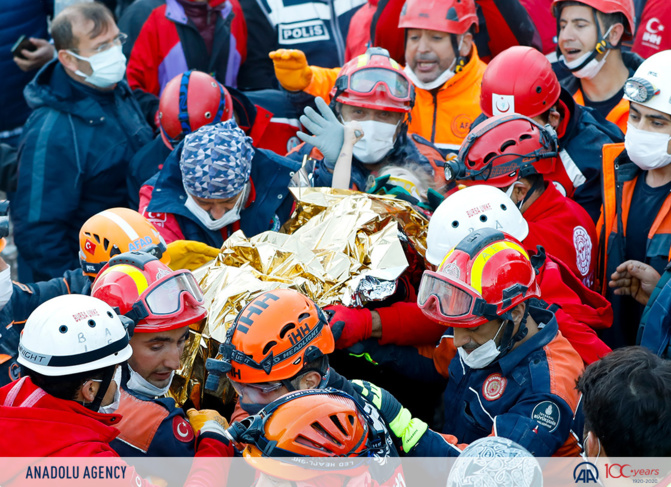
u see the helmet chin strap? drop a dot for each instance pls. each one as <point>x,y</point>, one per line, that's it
<point>508,341</point>
<point>538,183</point>
<point>102,390</point>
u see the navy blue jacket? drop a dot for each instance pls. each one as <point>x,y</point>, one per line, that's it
<point>25,298</point>
<point>271,207</point>
<point>19,17</point>
<point>654,332</point>
<point>73,159</point>
<point>580,150</point>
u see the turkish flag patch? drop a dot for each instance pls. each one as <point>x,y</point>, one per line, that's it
<point>182,429</point>
<point>89,246</point>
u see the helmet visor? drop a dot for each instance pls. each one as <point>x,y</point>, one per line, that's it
<point>444,299</point>
<point>164,299</point>
<point>365,81</point>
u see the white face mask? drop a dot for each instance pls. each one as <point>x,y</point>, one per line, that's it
<point>114,405</point>
<point>648,150</point>
<point>444,77</point>
<point>139,384</point>
<point>591,67</point>
<point>108,67</point>
<point>231,216</point>
<point>6,287</point>
<point>377,141</point>
<point>482,356</point>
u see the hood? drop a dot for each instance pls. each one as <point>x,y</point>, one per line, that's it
<point>52,426</point>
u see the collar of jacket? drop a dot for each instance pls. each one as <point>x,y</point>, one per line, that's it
<point>625,169</point>
<point>53,88</point>
<point>544,336</point>
<point>175,12</point>
<point>545,202</point>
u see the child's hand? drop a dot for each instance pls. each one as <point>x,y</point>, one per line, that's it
<point>353,134</point>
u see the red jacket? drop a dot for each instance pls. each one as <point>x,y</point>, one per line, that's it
<point>582,312</point>
<point>565,230</point>
<point>37,424</point>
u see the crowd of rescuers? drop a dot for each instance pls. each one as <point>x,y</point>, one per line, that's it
<point>537,324</point>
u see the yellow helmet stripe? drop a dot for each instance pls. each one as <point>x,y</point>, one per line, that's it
<point>394,64</point>
<point>362,60</point>
<point>486,254</point>
<point>133,272</point>
<point>445,258</point>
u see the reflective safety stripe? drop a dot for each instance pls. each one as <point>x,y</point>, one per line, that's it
<point>133,272</point>
<point>486,254</point>
<point>574,173</point>
<point>121,223</point>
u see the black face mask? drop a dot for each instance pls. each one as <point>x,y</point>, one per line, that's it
<point>251,407</point>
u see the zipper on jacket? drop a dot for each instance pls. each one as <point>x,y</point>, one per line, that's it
<point>434,94</point>
<point>337,35</point>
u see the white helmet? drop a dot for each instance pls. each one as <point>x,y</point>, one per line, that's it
<point>467,210</point>
<point>651,84</point>
<point>71,334</point>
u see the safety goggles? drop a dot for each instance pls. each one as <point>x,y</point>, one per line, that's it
<point>639,90</point>
<point>366,81</point>
<point>450,301</point>
<point>260,388</point>
<point>167,297</point>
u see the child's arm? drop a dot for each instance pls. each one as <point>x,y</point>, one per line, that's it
<point>343,166</point>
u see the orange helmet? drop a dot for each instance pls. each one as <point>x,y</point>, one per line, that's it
<point>147,291</point>
<point>189,101</point>
<point>273,337</point>
<point>310,423</point>
<point>113,232</point>
<point>486,275</point>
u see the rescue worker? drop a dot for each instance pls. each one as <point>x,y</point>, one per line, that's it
<point>637,181</point>
<point>162,303</point>
<point>336,428</point>
<point>441,61</point>
<point>511,372</point>
<point>373,91</point>
<point>214,184</point>
<point>535,93</point>
<point>66,403</point>
<point>102,236</point>
<point>593,67</point>
<point>516,154</point>
<point>581,312</point>
<point>193,99</point>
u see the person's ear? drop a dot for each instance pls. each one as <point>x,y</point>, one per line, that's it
<point>311,380</point>
<point>518,312</point>
<point>68,60</point>
<point>521,189</point>
<point>466,45</point>
<point>592,445</point>
<point>89,390</point>
<point>554,118</point>
<point>615,34</point>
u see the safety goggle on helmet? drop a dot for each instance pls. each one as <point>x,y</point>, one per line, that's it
<point>374,80</point>
<point>145,290</point>
<point>487,274</point>
<point>325,423</point>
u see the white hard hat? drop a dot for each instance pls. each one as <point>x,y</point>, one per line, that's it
<point>494,460</point>
<point>651,84</point>
<point>467,210</point>
<point>71,334</point>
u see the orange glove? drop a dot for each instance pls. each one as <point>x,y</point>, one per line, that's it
<point>3,242</point>
<point>199,418</point>
<point>291,69</point>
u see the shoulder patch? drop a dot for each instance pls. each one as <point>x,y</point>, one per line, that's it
<point>182,429</point>
<point>494,386</point>
<point>140,422</point>
<point>583,249</point>
<point>547,414</point>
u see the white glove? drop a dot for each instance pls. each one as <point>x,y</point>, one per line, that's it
<point>328,132</point>
<point>6,287</point>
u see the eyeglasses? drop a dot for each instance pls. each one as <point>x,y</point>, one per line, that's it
<point>119,40</point>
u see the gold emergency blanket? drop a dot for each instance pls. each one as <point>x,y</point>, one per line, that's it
<point>339,246</point>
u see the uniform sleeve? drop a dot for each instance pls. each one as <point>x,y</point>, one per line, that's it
<point>323,80</point>
<point>47,197</point>
<point>142,69</point>
<point>404,323</point>
<point>541,424</point>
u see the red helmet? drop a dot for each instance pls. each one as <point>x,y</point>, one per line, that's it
<point>274,336</point>
<point>374,80</point>
<point>452,16</point>
<point>625,7</point>
<point>508,89</point>
<point>325,423</point>
<point>144,289</point>
<point>502,150</point>
<point>189,101</point>
<point>487,274</point>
